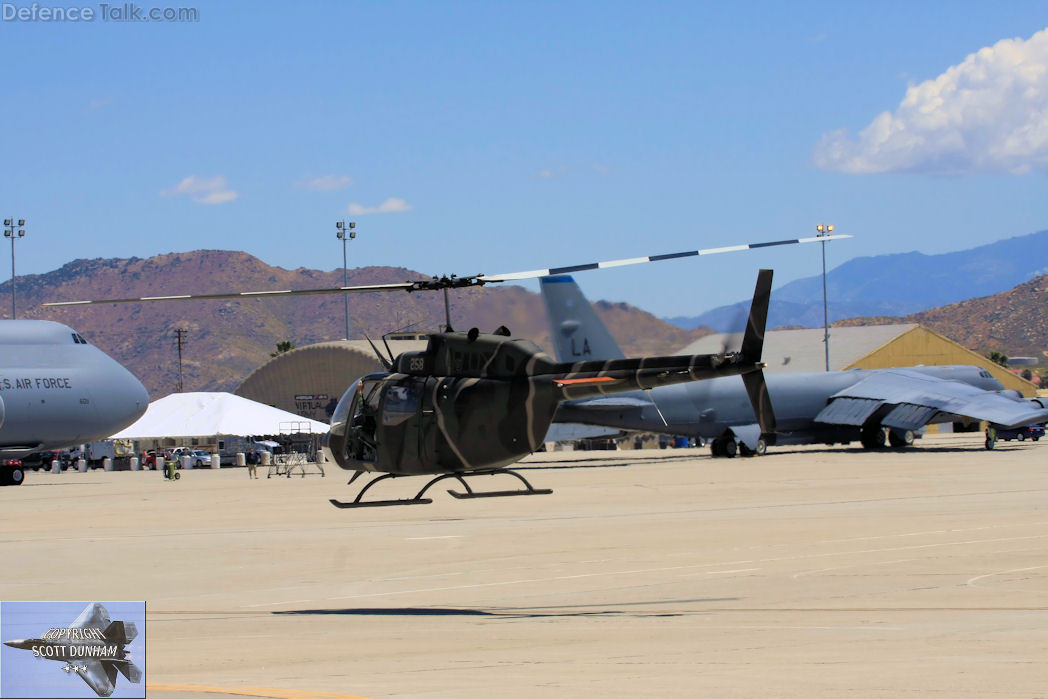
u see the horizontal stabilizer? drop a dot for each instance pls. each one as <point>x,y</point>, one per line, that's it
<point>570,431</point>
<point>619,402</point>
<point>129,670</point>
<point>747,434</point>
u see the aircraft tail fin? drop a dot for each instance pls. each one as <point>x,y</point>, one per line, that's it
<point>753,340</point>
<point>121,632</point>
<point>752,349</point>
<point>578,333</point>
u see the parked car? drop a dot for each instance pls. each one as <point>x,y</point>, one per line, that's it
<point>198,457</point>
<point>1033,432</point>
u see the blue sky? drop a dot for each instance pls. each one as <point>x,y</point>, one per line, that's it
<point>22,675</point>
<point>494,137</point>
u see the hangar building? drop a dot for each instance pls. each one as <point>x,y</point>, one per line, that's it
<point>308,381</point>
<point>864,347</point>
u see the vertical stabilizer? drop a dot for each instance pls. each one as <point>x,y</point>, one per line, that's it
<point>753,340</point>
<point>578,333</point>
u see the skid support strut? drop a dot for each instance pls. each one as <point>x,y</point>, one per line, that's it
<point>528,489</point>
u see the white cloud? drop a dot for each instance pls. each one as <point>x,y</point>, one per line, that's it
<point>393,205</point>
<point>544,174</point>
<point>326,183</point>
<point>987,114</point>
<point>202,190</point>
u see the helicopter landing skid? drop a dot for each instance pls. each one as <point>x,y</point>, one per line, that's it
<point>419,500</point>
<point>528,488</point>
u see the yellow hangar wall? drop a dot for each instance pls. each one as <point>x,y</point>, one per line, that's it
<point>920,345</point>
<point>309,380</point>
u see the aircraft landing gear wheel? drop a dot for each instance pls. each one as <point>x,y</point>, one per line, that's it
<point>1020,436</point>
<point>730,447</point>
<point>13,476</point>
<point>716,449</point>
<point>900,441</point>
<point>762,447</point>
<point>873,437</point>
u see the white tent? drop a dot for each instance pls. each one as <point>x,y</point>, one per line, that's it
<point>207,414</point>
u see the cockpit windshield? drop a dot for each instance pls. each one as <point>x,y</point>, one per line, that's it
<point>361,442</point>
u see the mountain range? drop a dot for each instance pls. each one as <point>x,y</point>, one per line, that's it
<point>893,285</point>
<point>1014,322</point>
<point>227,339</point>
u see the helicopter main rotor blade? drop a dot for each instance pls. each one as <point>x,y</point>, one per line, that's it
<point>535,273</point>
<point>404,286</point>
<point>452,281</point>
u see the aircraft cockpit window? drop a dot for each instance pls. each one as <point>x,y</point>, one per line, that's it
<point>361,442</point>
<point>985,374</point>
<point>79,339</point>
<point>401,403</point>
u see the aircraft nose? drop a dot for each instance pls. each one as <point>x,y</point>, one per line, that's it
<point>22,643</point>
<point>125,400</point>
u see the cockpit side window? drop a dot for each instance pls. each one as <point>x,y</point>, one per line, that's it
<point>79,339</point>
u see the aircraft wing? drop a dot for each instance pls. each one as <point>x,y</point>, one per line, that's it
<point>913,400</point>
<point>99,675</point>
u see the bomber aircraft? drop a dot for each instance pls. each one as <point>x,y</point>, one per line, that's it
<point>92,646</point>
<point>873,406</point>
<point>57,390</point>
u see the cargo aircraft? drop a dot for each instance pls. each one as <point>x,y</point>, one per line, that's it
<point>57,390</point>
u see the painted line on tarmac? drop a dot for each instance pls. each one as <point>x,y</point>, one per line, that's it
<point>249,691</point>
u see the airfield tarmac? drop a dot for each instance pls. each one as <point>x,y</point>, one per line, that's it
<point>810,572</point>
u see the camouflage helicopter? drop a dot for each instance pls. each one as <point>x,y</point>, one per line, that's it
<point>474,403</point>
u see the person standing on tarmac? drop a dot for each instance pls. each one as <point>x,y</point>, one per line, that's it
<point>252,464</point>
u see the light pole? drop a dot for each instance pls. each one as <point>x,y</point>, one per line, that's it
<point>12,232</point>
<point>824,230</point>
<point>345,232</point>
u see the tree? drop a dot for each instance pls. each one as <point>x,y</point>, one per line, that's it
<point>998,357</point>
<point>283,346</point>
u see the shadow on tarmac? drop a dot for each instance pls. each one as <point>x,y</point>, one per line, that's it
<point>509,613</point>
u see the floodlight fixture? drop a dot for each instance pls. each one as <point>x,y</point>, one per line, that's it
<point>827,229</point>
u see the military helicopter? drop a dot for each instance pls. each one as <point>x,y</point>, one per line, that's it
<point>474,403</point>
